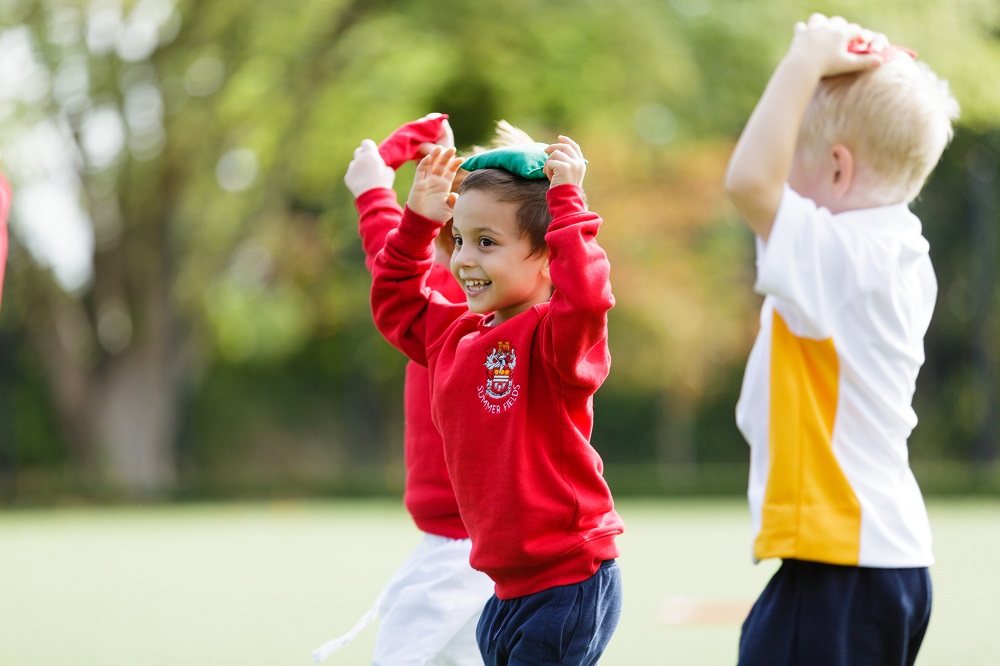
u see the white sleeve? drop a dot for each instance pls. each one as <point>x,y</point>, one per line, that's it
<point>808,264</point>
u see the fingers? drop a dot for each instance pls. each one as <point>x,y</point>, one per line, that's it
<point>431,194</point>
<point>439,162</point>
<point>367,170</point>
<point>367,146</point>
<point>566,163</point>
<point>567,146</point>
<point>833,22</point>
<point>840,46</point>
<point>367,153</point>
<point>566,152</point>
<point>879,41</point>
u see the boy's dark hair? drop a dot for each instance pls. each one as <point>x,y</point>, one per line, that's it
<point>533,216</point>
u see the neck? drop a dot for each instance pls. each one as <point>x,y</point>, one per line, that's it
<point>867,192</point>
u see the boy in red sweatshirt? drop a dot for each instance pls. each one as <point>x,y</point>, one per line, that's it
<point>430,607</point>
<point>512,378</point>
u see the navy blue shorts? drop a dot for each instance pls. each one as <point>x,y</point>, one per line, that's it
<point>829,615</point>
<point>569,624</point>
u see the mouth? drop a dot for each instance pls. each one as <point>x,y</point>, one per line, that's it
<point>476,287</point>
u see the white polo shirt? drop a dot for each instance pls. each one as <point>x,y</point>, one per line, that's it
<point>826,397</point>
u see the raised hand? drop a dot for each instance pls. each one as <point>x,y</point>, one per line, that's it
<point>431,194</point>
<point>368,171</point>
<point>828,41</point>
<point>565,164</point>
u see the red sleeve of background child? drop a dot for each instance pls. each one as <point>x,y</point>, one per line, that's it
<point>5,198</point>
<point>403,145</point>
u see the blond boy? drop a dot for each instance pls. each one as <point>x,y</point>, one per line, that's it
<point>842,139</point>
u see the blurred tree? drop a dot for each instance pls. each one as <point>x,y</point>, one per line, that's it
<point>195,153</point>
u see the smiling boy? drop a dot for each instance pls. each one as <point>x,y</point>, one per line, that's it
<point>496,248</point>
<point>513,372</point>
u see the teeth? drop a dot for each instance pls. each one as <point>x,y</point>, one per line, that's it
<point>474,287</point>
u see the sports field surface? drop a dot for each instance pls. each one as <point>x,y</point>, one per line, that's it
<point>263,584</point>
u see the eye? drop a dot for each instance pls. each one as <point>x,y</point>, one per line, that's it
<point>457,240</point>
<point>486,242</point>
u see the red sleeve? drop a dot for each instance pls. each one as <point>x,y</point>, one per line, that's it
<point>401,146</point>
<point>5,200</point>
<point>401,296</point>
<point>379,213</point>
<point>576,328</point>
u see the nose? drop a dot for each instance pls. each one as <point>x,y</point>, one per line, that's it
<point>461,256</point>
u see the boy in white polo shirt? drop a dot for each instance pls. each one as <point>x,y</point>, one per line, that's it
<point>842,139</point>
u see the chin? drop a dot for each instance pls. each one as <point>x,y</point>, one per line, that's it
<point>478,309</point>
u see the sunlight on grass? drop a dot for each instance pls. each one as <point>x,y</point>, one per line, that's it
<point>263,584</point>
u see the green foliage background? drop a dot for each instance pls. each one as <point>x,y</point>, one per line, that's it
<point>229,282</point>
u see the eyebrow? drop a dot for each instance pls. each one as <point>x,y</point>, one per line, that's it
<point>480,230</point>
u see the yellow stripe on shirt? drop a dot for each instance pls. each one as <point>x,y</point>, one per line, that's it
<point>810,511</point>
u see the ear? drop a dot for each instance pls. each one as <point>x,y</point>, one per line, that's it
<point>545,266</point>
<point>843,170</point>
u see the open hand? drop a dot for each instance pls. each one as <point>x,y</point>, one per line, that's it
<point>565,164</point>
<point>431,194</point>
<point>826,42</point>
<point>368,171</point>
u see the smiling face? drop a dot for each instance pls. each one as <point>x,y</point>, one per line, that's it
<point>494,261</point>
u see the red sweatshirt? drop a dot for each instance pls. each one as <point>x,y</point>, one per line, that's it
<point>5,199</point>
<point>514,402</point>
<point>429,496</point>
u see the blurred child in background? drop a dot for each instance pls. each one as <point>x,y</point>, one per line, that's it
<point>841,141</point>
<point>429,608</point>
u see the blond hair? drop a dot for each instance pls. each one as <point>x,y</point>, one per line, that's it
<point>504,135</point>
<point>896,119</point>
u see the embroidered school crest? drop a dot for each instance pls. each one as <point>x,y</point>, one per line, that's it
<point>500,365</point>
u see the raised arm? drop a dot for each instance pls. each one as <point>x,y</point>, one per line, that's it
<point>370,181</point>
<point>401,295</point>
<point>577,323</point>
<point>371,174</point>
<point>759,166</point>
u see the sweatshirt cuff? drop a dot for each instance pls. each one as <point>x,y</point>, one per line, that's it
<point>418,232</point>
<point>565,200</point>
<point>374,196</point>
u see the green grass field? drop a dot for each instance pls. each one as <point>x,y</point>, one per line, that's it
<point>263,584</point>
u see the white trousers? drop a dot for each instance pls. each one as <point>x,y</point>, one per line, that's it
<point>429,609</point>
